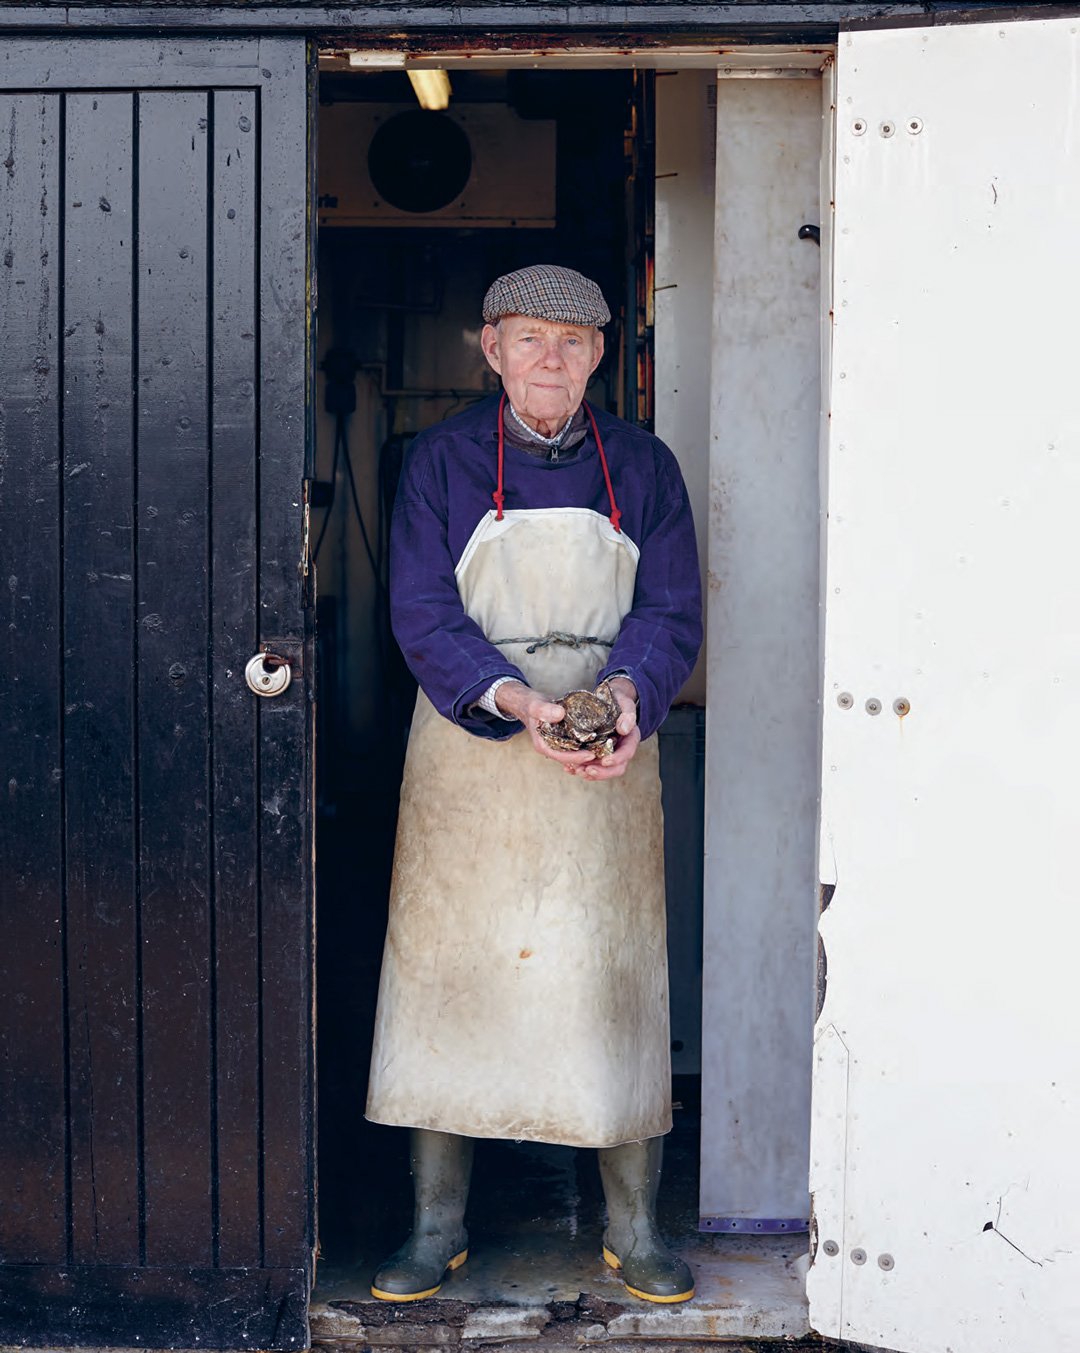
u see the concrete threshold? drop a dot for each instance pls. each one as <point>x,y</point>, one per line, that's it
<point>531,1289</point>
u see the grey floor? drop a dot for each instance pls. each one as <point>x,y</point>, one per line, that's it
<point>535,1220</point>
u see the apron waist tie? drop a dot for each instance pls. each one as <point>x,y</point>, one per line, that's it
<point>556,637</point>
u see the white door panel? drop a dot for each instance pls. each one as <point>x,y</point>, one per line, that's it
<point>946,1122</point>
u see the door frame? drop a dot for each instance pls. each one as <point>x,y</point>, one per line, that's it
<point>768,62</point>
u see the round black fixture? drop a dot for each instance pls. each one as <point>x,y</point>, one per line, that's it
<point>419,161</point>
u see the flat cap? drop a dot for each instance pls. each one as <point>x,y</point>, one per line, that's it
<point>546,291</point>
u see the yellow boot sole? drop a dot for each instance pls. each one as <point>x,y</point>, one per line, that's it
<point>612,1259</point>
<point>454,1263</point>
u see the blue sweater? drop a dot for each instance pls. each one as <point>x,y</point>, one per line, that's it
<point>446,485</point>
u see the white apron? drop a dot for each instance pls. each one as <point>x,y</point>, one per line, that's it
<point>524,982</point>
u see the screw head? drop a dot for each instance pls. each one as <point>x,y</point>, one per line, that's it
<point>887,129</point>
<point>901,706</point>
<point>831,1248</point>
<point>873,706</point>
<point>845,700</point>
<point>858,127</point>
<point>914,125</point>
<point>886,1262</point>
<point>858,1256</point>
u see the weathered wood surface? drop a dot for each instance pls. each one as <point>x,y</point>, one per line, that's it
<point>156,1020</point>
<point>33,1021</point>
<point>234,604</point>
<point>738,19</point>
<point>99,676</point>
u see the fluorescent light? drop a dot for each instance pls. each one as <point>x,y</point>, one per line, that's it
<point>377,60</point>
<point>431,87</point>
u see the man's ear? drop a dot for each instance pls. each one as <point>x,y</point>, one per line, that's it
<point>598,350</point>
<point>489,342</point>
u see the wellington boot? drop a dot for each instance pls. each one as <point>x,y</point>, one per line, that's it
<point>441,1166</point>
<point>632,1243</point>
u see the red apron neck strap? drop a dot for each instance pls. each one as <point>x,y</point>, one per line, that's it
<point>615,514</point>
<point>499,497</point>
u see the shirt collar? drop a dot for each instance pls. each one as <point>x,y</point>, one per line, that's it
<point>533,435</point>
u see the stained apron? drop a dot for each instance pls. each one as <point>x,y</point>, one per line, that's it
<point>524,983</point>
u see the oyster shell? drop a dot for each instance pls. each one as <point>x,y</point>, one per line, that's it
<point>589,724</point>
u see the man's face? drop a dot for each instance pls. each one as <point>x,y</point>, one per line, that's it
<point>544,365</point>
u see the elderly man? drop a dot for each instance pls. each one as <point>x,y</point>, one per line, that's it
<point>538,547</point>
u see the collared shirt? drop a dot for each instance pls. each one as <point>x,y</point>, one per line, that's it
<point>563,447</point>
<point>531,433</point>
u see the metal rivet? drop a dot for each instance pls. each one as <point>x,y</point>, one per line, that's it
<point>901,706</point>
<point>858,126</point>
<point>873,706</point>
<point>831,1248</point>
<point>886,1261</point>
<point>845,699</point>
<point>914,125</point>
<point>887,129</point>
<point>858,1256</point>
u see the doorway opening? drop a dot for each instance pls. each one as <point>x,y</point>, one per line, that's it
<point>561,172</point>
<point>533,165</point>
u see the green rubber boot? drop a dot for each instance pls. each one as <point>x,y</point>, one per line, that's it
<point>632,1243</point>
<point>441,1166</point>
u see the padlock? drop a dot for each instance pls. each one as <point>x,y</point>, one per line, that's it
<point>264,680</point>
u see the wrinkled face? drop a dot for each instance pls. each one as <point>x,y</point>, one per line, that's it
<point>544,365</point>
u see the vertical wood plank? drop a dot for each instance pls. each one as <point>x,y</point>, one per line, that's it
<point>98,630</point>
<point>33,1192</point>
<point>173,587</point>
<point>234,233</point>
<point>285,734</point>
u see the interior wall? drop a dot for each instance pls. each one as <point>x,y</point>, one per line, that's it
<point>762,773</point>
<point>685,173</point>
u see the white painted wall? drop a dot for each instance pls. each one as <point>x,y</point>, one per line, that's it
<point>947,1095</point>
<point>761,890</point>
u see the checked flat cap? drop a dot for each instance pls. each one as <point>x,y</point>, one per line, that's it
<point>545,291</point>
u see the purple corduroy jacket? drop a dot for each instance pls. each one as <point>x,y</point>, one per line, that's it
<point>446,486</point>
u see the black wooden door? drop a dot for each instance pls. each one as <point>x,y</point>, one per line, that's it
<point>156,1142</point>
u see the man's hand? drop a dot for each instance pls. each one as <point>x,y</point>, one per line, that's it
<point>611,767</point>
<point>522,702</point>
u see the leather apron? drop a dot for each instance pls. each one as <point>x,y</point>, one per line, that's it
<point>524,984</point>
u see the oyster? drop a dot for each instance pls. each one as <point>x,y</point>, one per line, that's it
<point>589,723</point>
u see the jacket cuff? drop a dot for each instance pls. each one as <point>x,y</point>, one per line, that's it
<point>469,714</point>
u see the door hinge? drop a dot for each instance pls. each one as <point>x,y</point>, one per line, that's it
<point>305,548</point>
<point>307,570</point>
